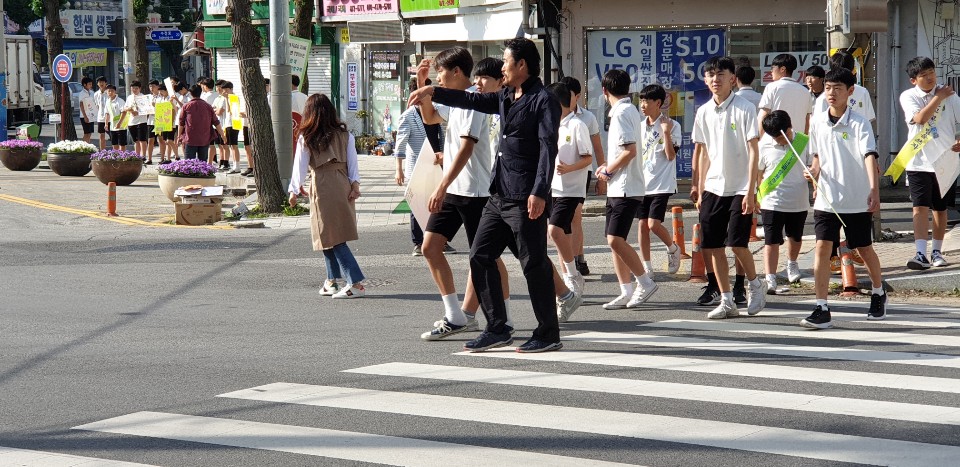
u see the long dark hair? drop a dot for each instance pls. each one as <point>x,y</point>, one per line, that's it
<point>320,123</point>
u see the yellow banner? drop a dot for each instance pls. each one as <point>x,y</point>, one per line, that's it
<point>87,57</point>
<point>913,147</point>
<point>163,121</point>
<point>235,112</point>
<point>118,122</point>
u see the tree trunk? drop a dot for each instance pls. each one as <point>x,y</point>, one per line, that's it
<point>248,43</point>
<point>55,47</point>
<point>142,68</point>
<point>303,27</point>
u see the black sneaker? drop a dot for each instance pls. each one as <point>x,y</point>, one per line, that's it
<point>820,319</point>
<point>740,295</point>
<point>583,269</point>
<point>247,173</point>
<point>878,307</point>
<point>919,262</point>
<point>537,345</point>
<point>488,340</point>
<point>710,297</point>
<point>448,249</point>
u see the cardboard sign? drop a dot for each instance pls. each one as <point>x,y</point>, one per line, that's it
<point>168,83</point>
<point>89,107</point>
<point>164,119</point>
<point>424,180</point>
<point>198,213</point>
<point>236,121</point>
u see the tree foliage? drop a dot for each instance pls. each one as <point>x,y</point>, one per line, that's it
<point>21,12</point>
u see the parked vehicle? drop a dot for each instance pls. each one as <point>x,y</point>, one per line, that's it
<point>75,89</point>
<point>26,102</point>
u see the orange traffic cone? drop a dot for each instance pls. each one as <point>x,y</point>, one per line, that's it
<point>850,283</point>
<point>112,199</point>
<point>698,270</point>
<point>678,237</point>
<point>753,230</point>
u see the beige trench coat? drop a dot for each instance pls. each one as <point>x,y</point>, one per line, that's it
<point>333,217</point>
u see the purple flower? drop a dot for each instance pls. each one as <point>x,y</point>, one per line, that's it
<point>21,144</point>
<point>188,168</point>
<point>115,155</point>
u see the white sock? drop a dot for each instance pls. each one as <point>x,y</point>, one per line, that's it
<point>937,245</point>
<point>727,297</point>
<point>755,283</point>
<point>645,281</point>
<point>506,306</point>
<point>922,246</point>
<point>571,267</point>
<point>672,248</point>
<point>647,267</point>
<point>627,289</point>
<point>793,263</point>
<point>877,290</point>
<point>772,279</point>
<point>452,311</point>
<point>823,303</point>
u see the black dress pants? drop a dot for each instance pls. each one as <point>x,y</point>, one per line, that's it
<point>505,222</point>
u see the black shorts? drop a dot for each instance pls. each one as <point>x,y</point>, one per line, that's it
<point>150,134</point>
<point>457,211</point>
<point>859,230</point>
<point>101,127</point>
<point>246,136</point>
<point>776,222</point>
<point>118,138</point>
<point>233,137</point>
<point>654,207</point>
<point>138,132</point>
<point>87,127</point>
<point>620,215</point>
<point>925,191</point>
<point>722,222</point>
<point>169,135</point>
<point>217,139</point>
<point>563,211</point>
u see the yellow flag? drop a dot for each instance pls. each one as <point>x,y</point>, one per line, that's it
<point>235,112</point>
<point>913,147</point>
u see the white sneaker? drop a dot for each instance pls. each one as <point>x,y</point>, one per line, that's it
<point>470,326</point>
<point>756,297</point>
<point>574,282</point>
<point>937,259</point>
<point>673,260</point>
<point>618,303</point>
<point>565,308</point>
<point>771,288</point>
<point>642,294</point>
<point>329,288</point>
<point>351,291</point>
<point>724,310</point>
<point>793,272</point>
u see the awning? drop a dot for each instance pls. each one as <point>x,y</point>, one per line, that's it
<point>494,26</point>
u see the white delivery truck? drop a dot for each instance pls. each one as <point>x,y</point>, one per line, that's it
<point>26,101</point>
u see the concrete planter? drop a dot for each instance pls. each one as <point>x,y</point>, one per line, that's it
<point>170,183</point>
<point>69,164</point>
<point>20,159</point>
<point>119,172</point>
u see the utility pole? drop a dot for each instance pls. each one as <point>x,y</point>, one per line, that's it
<point>3,80</point>
<point>129,31</point>
<point>280,93</point>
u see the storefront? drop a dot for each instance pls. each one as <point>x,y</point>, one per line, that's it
<point>669,45</point>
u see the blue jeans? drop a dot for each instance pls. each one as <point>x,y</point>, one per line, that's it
<point>340,261</point>
<point>195,152</point>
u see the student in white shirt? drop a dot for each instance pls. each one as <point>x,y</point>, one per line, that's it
<point>785,93</point>
<point>467,163</point>
<point>937,106</point>
<point>625,189</point>
<point>660,139</point>
<point>593,126</point>
<point>745,76</point>
<point>152,137</point>
<point>183,96</point>
<point>298,99</point>
<point>569,186</point>
<point>859,101</point>
<point>136,105</point>
<point>845,164</point>
<point>726,128</point>
<point>100,97</point>
<point>86,100</point>
<point>784,195</point>
<point>114,105</point>
<point>209,93</point>
<point>813,80</point>
<point>222,110</point>
<point>233,135</point>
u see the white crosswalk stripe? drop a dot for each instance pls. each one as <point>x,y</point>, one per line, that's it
<point>847,316</point>
<point>848,396</point>
<point>25,457</point>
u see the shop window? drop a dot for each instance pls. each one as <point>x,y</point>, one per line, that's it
<point>759,44</point>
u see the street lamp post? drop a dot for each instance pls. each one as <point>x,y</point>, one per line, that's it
<point>280,82</point>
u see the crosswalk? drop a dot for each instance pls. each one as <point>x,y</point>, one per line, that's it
<point>818,396</point>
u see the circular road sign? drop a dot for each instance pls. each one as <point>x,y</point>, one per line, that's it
<point>62,68</point>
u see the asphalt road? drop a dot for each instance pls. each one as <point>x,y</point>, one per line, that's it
<point>151,325</point>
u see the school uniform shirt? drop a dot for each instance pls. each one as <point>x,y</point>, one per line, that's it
<point>572,144</point>
<point>100,97</point>
<point>659,174</point>
<point>474,180</point>
<point>750,95</point>
<point>88,94</point>
<point>220,103</point>
<point>725,129</point>
<point>153,99</point>
<point>587,117</point>
<point>859,101</point>
<point>793,193</point>
<point>625,123</point>
<point>842,148</point>
<point>912,101</point>
<point>790,96</point>
<point>133,103</point>
<point>183,99</point>
<point>298,102</point>
<point>209,96</point>
<point>117,104</point>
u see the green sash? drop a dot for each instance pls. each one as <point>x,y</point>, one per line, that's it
<point>771,183</point>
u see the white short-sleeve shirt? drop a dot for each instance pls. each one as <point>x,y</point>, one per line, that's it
<point>587,117</point>
<point>860,103</point>
<point>725,130</point>
<point>659,173</point>
<point>625,123</point>
<point>134,102</point>
<point>101,98</point>
<point>474,180</point>
<point>573,144</point>
<point>750,95</point>
<point>841,148</point>
<point>790,96</point>
<point>793,193</point>
<point>945,121</point>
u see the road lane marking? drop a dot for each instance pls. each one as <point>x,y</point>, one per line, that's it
<point>19,457</point>
<point>101,216</point>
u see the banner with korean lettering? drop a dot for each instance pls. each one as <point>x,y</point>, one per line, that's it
<point>87,57</point>
<point>671,58</point>
<point>408,6</point>
<point>87,23</point>
<point>357,7</point>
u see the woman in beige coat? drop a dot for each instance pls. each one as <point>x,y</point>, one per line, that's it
<point>327,150</point>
